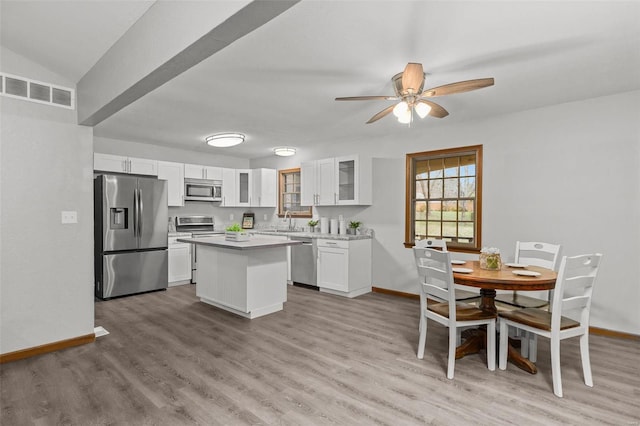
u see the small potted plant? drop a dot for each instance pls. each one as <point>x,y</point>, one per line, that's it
<point>353,226</point>
<point>236,233</point>
<point>312,225</point>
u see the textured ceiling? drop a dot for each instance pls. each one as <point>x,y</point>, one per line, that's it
<point>277,84</point>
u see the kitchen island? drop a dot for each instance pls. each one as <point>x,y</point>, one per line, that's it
<point>248,278</point>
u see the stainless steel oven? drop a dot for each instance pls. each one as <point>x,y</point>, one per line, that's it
<point>202,190</point>
<point>198,226</point>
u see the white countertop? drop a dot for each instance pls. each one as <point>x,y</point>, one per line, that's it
<point>179,234</point>
<point>255,242</point>
<point>347,237</point>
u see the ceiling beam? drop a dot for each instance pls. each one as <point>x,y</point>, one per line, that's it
<point>166,41</point>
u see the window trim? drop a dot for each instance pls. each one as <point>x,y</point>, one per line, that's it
<point>409,241</point>
<point>306,214</point>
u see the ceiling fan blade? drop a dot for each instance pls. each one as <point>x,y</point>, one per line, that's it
<point>412,77</point>
<point>381,114</point>
<point>368,98</point>
<point>459,87</point>
<point>436,110</point>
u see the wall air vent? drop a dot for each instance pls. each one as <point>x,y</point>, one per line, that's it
<point>36,91</point>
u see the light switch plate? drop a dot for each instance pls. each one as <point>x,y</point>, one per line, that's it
<point>69,217</point>
<point>231,216</point>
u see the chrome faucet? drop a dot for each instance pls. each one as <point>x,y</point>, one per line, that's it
<point>287,212</point>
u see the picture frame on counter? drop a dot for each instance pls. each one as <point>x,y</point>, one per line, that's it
<point>248,219</point>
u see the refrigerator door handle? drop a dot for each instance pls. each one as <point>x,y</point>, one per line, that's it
<point>140,212</point>
<point>135,214</point>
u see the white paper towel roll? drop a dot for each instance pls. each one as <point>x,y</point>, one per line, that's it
<point>334,226</point>
<point>324,225</point>
<point>343,227</point>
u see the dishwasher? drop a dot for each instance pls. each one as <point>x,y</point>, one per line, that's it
<point>303,261</point>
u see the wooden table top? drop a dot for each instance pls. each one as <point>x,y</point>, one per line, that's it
<point>505,279</point>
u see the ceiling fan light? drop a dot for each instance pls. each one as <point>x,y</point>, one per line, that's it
<point>422,109</point>
<point>284,151</point>
<point>405,117</point>
<point>225,140</point>
<point>401,109</point>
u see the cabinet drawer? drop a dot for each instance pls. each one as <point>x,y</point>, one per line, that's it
<point>333,243</point>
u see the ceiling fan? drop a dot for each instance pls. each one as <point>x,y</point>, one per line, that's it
<point>408,86</point>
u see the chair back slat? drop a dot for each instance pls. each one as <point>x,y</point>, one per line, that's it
<point>574,287</point>
<point>436,276</point>
<point>434,290</point>
<point>573,303</point>
<point>544,255</point>
<point>431,243</point>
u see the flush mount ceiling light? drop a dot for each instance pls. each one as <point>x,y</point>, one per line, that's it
<point>284,151</point>
<point>224,140</point>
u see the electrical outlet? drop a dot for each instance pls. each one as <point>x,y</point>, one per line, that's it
<point>265,217</point>
<point>231,216</point>
<point>69,217</point>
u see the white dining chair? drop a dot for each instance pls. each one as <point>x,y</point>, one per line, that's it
<point>442,245</point>
<point>436,282</point>
<point>572,293</point>
<point>544,255</point>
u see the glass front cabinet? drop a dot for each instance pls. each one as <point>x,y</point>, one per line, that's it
<point>337,181</point>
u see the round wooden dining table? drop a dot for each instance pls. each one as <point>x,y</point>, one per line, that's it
<point>503,279</point>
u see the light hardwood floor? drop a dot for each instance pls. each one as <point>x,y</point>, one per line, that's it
<point>171,360</point>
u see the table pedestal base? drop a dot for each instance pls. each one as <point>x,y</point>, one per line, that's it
<point>475,341</point>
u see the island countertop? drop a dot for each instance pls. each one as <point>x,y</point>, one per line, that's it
<point>253,243</point>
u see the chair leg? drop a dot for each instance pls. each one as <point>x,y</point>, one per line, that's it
<point>452,352</point>
<point>533,347</point>
<point>524,342</point>
<point>423,337</point>
<point>586,363</point>
<point>555,366</point>
<point>504,340</point>
<point>491,346</point>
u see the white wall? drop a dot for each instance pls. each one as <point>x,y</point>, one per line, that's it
<point>568,174</point>
<point>46,268</point>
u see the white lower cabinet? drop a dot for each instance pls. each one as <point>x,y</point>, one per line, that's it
<point>179,262</point>
<point>344,267</point>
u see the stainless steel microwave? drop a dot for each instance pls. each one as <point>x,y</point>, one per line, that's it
<point>202,190</point>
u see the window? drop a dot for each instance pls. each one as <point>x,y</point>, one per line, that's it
<point>289,194</point>
<point>444,197</point>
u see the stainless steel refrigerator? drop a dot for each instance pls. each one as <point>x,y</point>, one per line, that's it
<point>130,216</point>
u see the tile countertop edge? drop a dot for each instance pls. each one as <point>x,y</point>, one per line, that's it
<point>258,243</point>
<point>347,237</point>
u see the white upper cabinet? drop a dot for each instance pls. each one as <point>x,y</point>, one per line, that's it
<point>228,188</point>
<point>197,171</point>
<point>336,181</point>
<point>264,188</point>
<point>353,177</point>
<point>173,173</point>
<point>249,188</point>
<point>325,182</point>
<point>317,183</point>
<point>308,177</point>
<point>121,164</point>
<point>244,187</point>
